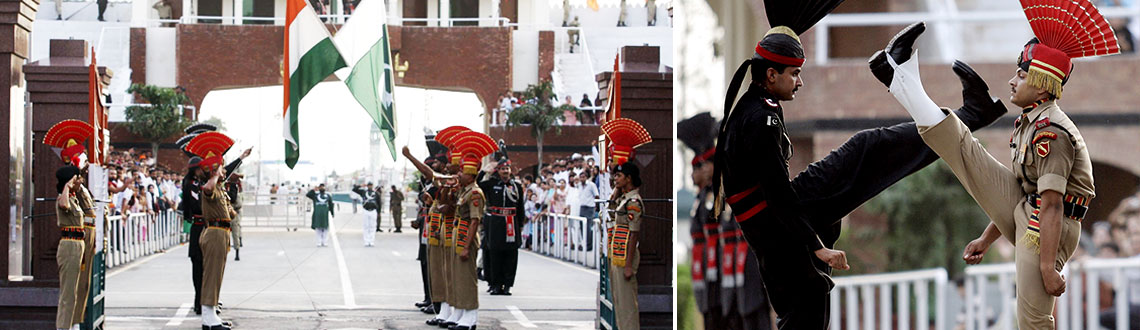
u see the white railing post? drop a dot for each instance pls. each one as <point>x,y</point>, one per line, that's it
<point>868,306</point>
<point>922,297</point>
<point>904,306</point>
<point>852,307</point>
<point>1092,300</point>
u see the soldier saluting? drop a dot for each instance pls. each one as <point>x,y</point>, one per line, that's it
<point>502,225</point>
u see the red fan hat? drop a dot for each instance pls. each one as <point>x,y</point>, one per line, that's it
<point>211,146</point>
<point>625,134</point>
<point>1064,30</point>
<point>447,136</point>
<point>471,147</point>
<point>67,140</point>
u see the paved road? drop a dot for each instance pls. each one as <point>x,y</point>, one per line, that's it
<point>284,281</point>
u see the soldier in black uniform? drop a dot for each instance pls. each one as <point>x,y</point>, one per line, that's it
<point>502,225</point>
<point>801,217</point>
<point>427,190</point>
<point>191,206</point>
<point>726,275</point>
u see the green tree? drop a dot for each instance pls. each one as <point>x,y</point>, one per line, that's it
<point>161,119</point>
<point>931,217</point>
<point>217,122</point>
<point>539,113</point>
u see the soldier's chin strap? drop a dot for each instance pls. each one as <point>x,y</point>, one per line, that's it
<point>719,156</point>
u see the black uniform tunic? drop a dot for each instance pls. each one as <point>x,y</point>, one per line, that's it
<point>504,206</point>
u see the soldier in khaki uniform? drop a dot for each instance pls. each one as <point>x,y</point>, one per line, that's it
<point>83,289</point>
<point>624,224</point>
<point>442,193</point>
<point>76,245</point>
<point>470,207</point>
<point>69,253</point>
<point>217,212</point>
<point>1038,205</point>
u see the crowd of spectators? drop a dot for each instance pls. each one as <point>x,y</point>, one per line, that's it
<point>568,186</point>
<point>137,184</point>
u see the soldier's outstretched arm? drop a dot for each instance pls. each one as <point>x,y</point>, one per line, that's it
<point>423,168</point>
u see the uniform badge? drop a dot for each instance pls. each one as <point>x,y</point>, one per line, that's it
<point>1043,148</point>
<point>1042,123</point>
<point>1044,135</point>
<point>773,121</point>
<point>771,103</point>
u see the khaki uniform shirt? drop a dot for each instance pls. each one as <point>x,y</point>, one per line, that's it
<point>216,205</point>
<point>1050,154</point>
<point>626,210</point>
<point>72,216</point>
<point>470,207</point>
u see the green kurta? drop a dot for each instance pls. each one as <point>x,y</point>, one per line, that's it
<point>322,209</point>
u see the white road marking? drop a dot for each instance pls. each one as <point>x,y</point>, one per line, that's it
<point>396,253</point>
<point>141,261</point>
<point>345,283</point>
<point>520,317</point>
<point>180,315</point>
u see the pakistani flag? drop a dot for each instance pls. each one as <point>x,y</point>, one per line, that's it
<point>310,57</point>
<point>364,43</point>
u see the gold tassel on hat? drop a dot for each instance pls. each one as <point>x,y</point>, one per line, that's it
<point>1038,77</point>
<point>783,30</point>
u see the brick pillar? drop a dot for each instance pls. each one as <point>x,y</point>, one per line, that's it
<point>23,304</point>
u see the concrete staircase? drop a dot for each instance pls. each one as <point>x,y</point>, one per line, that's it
<point>112,42</point>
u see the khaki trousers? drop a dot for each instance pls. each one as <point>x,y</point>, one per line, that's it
<point>624,291</point>
<point>215,244</point>
<point>464,280</point>
<point>83,287</point>
<point>436,275</point>
<point>235,231</point>
<point>69,254</point>
<point>996,190</point>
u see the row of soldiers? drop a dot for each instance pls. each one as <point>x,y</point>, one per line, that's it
<point>451,223</point>
<point>206,202</point>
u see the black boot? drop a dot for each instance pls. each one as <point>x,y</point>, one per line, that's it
<point>422,304</point>
<point>429,309</point>
<point>433,321</point>
<point>216,327</point>
<point>979,109</point>
<point>237,255</point>
<point>496,291</point>
<point>506,290</point>
<point>899,48</point>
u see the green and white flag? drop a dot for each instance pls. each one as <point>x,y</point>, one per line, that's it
<point>364,43</point>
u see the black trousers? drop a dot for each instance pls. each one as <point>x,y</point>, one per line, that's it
<point>500,266</point>
<point>424,272</point>
<point>798,283</point>
<point>196,262</point>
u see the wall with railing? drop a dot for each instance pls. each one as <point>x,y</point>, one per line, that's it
<point>569,238</point>
<point>137,235</point>
<point>924,299</point>
<point>276,210</point>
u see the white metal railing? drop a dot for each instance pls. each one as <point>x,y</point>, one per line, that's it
<point>950,16</point>
<point>568,238</point>
<point>868,298</point>
<point>591,112</point>
<point>139,234</point>
<point>275,210</point>
<point>1077,308</point>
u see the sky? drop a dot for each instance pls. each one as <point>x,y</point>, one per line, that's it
<point>333,127</point>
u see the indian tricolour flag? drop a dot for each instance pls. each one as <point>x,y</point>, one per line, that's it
<point>364,42</point>
<point>310,57</point>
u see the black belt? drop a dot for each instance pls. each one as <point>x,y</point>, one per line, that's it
<point>220,223</point>
<point>197,220</point>
<point>71,233</point>
<point>1075,207</point>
